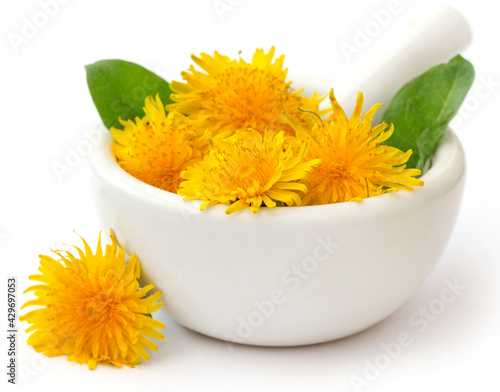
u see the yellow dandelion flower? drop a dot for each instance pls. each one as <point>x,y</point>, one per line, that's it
<point>355,165</point>
<point>158,147</point>
<point>248,170</point>
<point>235,95</point>
<point>92,309</point>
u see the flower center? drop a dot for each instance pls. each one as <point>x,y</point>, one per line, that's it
<point>251,97</point>
<point>336,171</point>
<point>100,306</point>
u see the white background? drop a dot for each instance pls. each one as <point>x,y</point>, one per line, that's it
<point>46,109</point>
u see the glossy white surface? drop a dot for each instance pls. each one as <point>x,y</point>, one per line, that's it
<point>284,276</point>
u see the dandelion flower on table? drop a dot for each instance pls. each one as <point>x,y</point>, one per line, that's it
<point>236,95</point>
<point>355,165</point>
<point>249,170</point>
<point>92,309</point>
<point>158,147</point>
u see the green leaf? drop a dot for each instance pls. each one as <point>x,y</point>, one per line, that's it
<point>119,88</point>
<point>422,109</point>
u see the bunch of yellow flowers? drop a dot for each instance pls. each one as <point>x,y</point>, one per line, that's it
<point>238,134</point>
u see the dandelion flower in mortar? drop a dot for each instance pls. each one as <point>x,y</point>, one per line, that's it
<point>92,309</point>
<point>355,165</point>
<point>158,147</point>
<point>236,95</point>
<point>249,170</point>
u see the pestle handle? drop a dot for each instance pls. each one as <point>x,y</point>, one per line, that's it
<point>435,38</point>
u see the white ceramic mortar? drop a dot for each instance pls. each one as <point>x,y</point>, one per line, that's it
<point>298,275</point>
